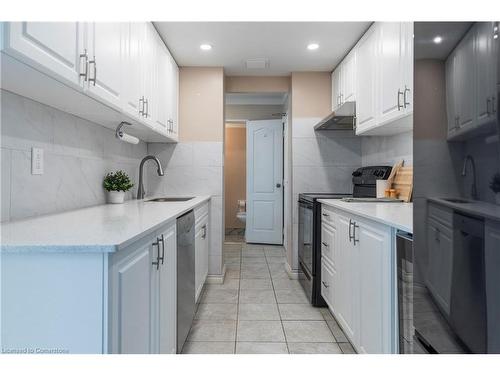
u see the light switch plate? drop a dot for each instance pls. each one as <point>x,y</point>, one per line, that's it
<point>37,161</point>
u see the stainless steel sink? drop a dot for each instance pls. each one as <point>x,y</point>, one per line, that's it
<point>171,199</point>
<point>457,200</point>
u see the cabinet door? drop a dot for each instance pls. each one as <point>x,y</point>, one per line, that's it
<point>54,46</point>
<point>132,301</point>
<point>327,281</point>
<point>160,100</point>
<point>349,77</point>
<point>201,255</point>
<point>466,88</point>
<point>440,247</point>
<point>366,71</point>
<point>345,282</point>
<point>336,99</point>
<point>484,72</point>
<point>451,93</point>
<point>407,65</point>
<point>391,87</point>
<point>148,72</point>
<point>374,272</point>
<point>104,44</point>
<point>173,95</point>
<point>133,36</point>
<point>167,322</point>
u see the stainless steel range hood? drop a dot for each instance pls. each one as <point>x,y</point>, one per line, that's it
<point>344,118</point>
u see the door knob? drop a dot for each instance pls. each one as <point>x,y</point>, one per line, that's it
<point>278,185</point>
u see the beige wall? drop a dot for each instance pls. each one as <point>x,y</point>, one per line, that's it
<point>201,89</point>
<point>257,84</point>
<point>430,98</point>
<point>311,94</point>
<point>252,112</point>
<point>234,172</point>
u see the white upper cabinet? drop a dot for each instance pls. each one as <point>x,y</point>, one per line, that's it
<point>391,80</point>
<point>336,90</point>
<point>133,37</point>
<point>383,79</point>
<point>366,74</point>
<point>348,83</point>
<point>471,83</point>
<point>55,47</point>
<point>104,42</point>
<point>104,72</point>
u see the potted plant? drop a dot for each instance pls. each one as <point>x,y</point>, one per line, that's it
<point>116,184</point>
<point>495,186</point>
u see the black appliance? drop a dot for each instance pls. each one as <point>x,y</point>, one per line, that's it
<point>309,228</point>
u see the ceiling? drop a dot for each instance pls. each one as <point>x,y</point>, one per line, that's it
<point>425,32</point>
<point>282,43</point>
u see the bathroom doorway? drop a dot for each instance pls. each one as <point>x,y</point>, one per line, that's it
<point>241,109</point>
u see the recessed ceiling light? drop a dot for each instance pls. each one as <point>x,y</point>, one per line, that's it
<point>437,39</point>
<point>205,47</point>
<point>312,46</point>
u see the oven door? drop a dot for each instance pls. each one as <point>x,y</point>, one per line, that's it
<point>306,238</point>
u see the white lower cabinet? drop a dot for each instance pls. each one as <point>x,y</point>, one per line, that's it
<point>360,289</point>
<point>201,248</point>
<point>142,295</point>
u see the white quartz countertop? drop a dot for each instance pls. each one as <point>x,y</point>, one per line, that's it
<point>104,228</point>
<point>476,208</point>
<point>396,215</point>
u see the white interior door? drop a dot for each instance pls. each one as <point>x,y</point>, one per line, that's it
<point>264,182</point>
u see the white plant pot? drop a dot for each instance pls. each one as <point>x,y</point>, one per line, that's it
<point>497,198</point>
<point>116,197</point>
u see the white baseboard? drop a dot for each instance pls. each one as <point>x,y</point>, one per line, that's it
<point>217,279</point>
<point>292,274</point>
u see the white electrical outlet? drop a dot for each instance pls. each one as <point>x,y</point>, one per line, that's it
<point>36,160</point>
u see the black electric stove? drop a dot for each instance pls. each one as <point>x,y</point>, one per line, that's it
<point>309,231</point>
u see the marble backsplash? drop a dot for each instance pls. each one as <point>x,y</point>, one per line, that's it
<point>77,155</point>
<point>322,162</point>
<point>193,168</point>
<point>387,150</point>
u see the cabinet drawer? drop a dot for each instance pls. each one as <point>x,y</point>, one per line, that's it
<point>441,214</point>
<point>326,282</point>
<point>327,215</point>
<point>328,242</point>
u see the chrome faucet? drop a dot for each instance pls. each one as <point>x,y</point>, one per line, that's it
<point>473,191</point>
<point>140,190</point>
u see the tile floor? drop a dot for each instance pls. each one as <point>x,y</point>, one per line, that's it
<point>259,310</point>
<point>235,235</point>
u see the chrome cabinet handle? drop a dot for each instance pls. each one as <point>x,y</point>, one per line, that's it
<point>141,106</point>
<point>325,284</point>
<point>354,233</point>
<point>325,214</point>
<point>350,235</point>
<point>157,263</point>
<point>399,99</point>
<point>93,80</point>
<point>85,56</point>
<point>325,244</point>
<point>204,235</point>
<point>146,105</point>
<point>406,103</point>
<point>162,240</point>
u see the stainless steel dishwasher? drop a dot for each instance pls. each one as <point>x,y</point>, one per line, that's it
<point>185,277</point>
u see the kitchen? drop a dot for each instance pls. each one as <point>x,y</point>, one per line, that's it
<point>117,210</point>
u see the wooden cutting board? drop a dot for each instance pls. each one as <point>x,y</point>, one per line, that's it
<point>403,182</point>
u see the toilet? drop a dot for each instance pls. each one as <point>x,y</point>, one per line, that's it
<point>241,215</point>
